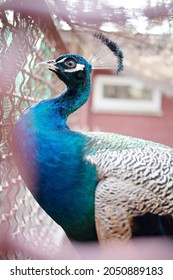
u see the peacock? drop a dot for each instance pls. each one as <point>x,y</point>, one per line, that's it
<point>97,185</point>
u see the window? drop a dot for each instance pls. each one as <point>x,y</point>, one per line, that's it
<point>112,94</point>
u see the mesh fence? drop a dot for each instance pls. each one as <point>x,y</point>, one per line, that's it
<point>25,40</point>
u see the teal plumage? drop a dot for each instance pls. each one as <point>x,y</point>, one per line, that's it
<point>94,185</point>
<point>50,157</point>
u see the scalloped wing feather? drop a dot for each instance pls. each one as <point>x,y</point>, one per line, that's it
<point>133,181</point>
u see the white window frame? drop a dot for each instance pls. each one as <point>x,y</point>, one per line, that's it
<point>101,104</point>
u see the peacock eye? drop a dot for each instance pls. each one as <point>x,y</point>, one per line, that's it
<point>70,63</point>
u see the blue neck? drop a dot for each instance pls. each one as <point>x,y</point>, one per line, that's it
<point>72,99</point>
<point>56,110</point>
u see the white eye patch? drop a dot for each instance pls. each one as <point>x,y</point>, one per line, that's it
<point>78,67</point>
<point>62,60</point>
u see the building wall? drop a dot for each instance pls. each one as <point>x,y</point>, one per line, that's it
<point>155,128</point>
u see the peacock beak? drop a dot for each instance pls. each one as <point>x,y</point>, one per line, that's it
<point>51,64</point>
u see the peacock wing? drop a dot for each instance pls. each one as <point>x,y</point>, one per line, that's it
<point>100,142</point>
<point>132,182</point>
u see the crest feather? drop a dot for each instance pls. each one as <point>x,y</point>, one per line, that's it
<point>101,58</point>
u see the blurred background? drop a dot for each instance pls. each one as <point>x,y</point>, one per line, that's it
<point>137,102</point>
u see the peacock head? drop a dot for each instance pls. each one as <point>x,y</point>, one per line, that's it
<point>75,71</point>
<point>72,69</point>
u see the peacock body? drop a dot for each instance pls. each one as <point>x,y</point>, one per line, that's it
<point>95,185</point>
